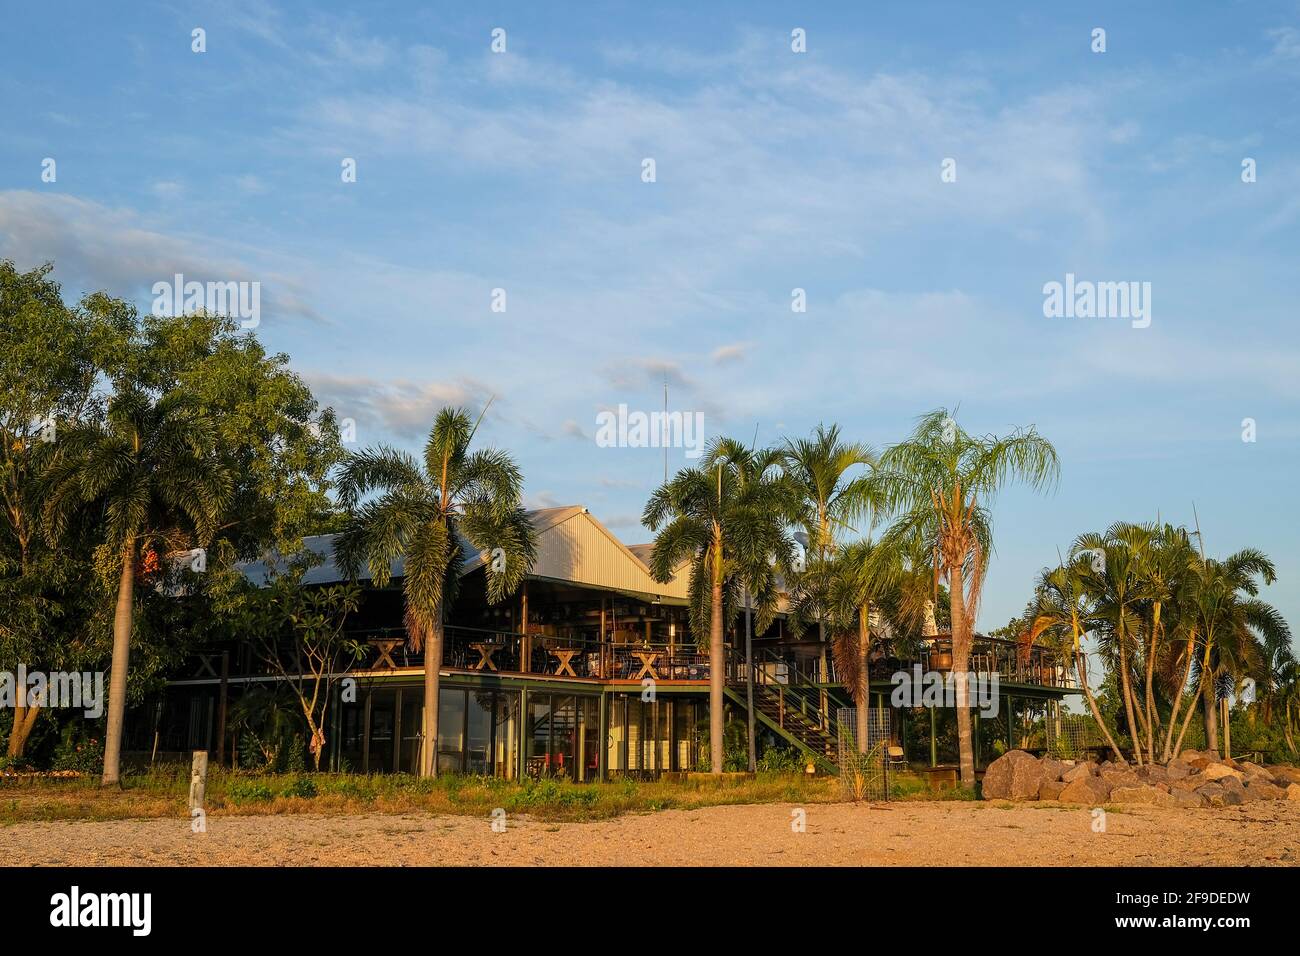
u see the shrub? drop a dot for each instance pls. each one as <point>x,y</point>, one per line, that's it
<point>248,791</point>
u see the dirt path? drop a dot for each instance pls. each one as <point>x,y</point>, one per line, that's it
<point>927,834</point>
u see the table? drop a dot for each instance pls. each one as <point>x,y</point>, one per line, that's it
<point>564,657</point>
<point>485,652</point>
<point>648,660</point>
<point>385,646</point>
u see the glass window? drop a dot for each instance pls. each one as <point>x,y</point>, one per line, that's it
<point>478,732</point>
<point>451,731</point>
<point>505,748</point>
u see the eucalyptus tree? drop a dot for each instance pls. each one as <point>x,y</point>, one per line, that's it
<point>941,481</point>
<point>1225,614</point>
<point>833,494</point>
<point>727,518</point>
<point>155,473</point>
<point>423,514</point>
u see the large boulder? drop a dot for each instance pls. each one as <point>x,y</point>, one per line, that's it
<point>1015,775</point>
<point>1078,772</point>
<point>1053,769</point>
<point>1051,789</point>
<point>1217,796</point>
<point>1218,771</point>
<point>1090,790</point>
<point>1186,798</point>
<point>1153,773</point>
<point>1257,789</point>
<point>1178,768</point>
<point>1293,791</point>
<point>1285,775</point>
<point>1121,778</point>
<point>1141,794</point>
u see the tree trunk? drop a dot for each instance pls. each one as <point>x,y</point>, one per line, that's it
<point>749,685</point>
<point>1082,668</point>
<point>432,665</point>
<point>716,676</point>
<point>1150,692</point>
<point>1227,727</point>
<point>1211,716</point>
<point>961,641</point>
<point>1126,691</point>
<point>117,678</point>
<point>863,691</point>
<point>24,723</point>
<point>1167,754</point>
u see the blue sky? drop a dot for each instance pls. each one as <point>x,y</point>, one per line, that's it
<point>775,170</point>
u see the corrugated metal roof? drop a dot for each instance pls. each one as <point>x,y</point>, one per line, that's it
<point>572,546</point>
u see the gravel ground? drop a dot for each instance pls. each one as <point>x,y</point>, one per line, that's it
<point>924,834</point>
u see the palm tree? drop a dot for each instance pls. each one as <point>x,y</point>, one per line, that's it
<point>870,583</point>
<point>819,468</point>
<point>940,481</point>
<point>1064,607</point>
<point>726,517</point>
<point>423,513</point>
<point>1225,612</point>
<point>152,469</point>
<point>1118,589</point>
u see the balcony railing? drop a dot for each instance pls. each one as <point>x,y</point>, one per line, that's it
<point>490,651</point>
<point>487,651</point>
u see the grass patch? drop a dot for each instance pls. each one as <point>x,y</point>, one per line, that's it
<point>164,792</point>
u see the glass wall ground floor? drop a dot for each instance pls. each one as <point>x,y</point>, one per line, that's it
<point>509,731</point>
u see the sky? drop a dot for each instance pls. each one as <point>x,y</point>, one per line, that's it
<point>523,170</point>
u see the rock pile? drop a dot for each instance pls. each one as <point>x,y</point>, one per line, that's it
<point>1194,779</point>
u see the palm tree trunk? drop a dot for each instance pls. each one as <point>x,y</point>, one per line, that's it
<point>961,641</point>
<point>1150,692</point>
<point>1126,689</point>
<point>1187,722</point>
<point>117,677</point>
<point>1167,754</point>
<point>432,666</point>
<point>863,691</point>
<point>716,676</point>
<point>1210,708</point>
<point>1082,667</point>
<point>1227,727</point>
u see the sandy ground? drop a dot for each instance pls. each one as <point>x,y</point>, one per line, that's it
<point>925,834</point>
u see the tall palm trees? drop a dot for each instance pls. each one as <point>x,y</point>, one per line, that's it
<point>1064,606</point>
<point>1112,567</point>
<point>152,469</point>
<point>421,514</point>
<point>831,500</point>
<point>941,480</point>
<point>869,582</point>
<point>727,518</point>
<point>1224,617</point>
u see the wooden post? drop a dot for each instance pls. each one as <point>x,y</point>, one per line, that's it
<point>525,642</point>
<point>198,779</point>
<point>221,708</point>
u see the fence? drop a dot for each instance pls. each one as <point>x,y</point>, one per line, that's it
<point>864,776</point>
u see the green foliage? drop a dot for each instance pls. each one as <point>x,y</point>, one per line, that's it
<point>781,760</point>
<point>80,748</point>
<point>248,791</point>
